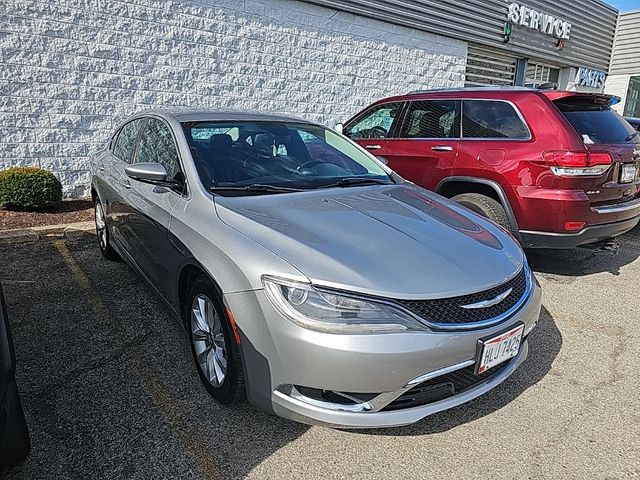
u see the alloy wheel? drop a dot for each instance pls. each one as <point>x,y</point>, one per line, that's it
<point>101,226</point>
<point>208,340</point>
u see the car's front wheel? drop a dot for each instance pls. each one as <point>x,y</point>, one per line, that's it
<point>102,231</point>
<point>214,347</point>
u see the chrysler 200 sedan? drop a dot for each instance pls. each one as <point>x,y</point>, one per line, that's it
<point>310,277</point>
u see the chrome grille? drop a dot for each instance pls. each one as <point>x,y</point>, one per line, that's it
<point>450,310</point>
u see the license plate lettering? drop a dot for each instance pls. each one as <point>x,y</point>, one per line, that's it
<point>499,349</point>
<point>629,173</point>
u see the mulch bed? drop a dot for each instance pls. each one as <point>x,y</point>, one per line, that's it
<point>70,211</point>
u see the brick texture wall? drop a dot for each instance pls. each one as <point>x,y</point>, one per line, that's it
<point>72,69</point>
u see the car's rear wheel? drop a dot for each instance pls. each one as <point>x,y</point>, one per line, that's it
<point>485,206</point>
<point>215,351</point>
<point>102,231</point>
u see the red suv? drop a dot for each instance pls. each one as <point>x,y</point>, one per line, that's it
<point>558,169</point>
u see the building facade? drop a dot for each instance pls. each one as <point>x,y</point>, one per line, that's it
<point>70,70</point>
<point>624,74</point>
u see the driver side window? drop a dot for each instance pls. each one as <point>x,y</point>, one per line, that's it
<point>376,123</point>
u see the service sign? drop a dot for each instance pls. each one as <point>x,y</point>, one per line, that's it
<point>530,18</point>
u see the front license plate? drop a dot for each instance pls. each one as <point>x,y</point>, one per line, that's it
<point>629,172</point>
<point>498,349</point>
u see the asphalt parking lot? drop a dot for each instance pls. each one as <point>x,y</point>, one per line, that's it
<point>110,390</point>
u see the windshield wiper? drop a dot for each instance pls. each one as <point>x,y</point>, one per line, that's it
<point>353,181</point>
<point>632,136</point>
<point>254,187</point>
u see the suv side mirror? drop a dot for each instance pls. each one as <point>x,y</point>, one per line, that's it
<point>339,127</point>
<point>152,172</point>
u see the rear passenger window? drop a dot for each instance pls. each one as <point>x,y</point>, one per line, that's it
<point>492,119</point>
<point>156,145</point>
<point>126,141</point>
<point>432,119</point>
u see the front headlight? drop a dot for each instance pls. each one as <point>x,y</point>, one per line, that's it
<point>333,312</point>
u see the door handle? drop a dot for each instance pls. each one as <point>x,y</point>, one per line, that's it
<point>101,169</point>
<point>126,184</point>
<point>442,148</point>
<point>373,147</point>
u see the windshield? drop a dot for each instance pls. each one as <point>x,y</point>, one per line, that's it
<point>264,155</point>
<point>597,124</point>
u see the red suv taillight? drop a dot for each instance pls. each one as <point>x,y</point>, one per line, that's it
<point>567,163</point>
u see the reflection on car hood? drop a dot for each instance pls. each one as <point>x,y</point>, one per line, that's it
<point>397,241</point>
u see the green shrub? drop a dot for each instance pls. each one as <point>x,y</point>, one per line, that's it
<point>29,188</point>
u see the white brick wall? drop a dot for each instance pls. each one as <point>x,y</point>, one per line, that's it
<point>71,69</point>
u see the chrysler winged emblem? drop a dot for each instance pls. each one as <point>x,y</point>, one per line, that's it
<point>488,303</point>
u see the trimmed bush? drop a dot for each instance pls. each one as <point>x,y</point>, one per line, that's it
<point>29,188</point>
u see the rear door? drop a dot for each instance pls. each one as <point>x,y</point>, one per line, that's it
<point>150,206</point>
<point>604,131</point>
<point>494,133</point>
<point>427,143</point>
<point>114,194</point>
<point>376,127</point>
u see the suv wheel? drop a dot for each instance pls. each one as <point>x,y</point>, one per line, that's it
<point>485,206</point>
<point>102,231</point>
<point>215,352</point>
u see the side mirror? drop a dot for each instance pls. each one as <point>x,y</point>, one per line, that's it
<point>339,127</point>
<point>153,173</point>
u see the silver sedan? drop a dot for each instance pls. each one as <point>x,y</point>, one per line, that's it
<point>311,278</point>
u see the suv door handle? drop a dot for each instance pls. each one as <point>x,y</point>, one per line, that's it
<point>442,148</point>
<point>373,147</point>
<point>126,184</point>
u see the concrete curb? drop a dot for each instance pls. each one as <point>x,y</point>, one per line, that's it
<point>36,233</point>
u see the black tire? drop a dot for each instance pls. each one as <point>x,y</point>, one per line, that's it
<point>103,234</point>
<point>232,389</point>
<point>485,206</point>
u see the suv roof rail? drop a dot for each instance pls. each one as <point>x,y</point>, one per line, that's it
<point>462,89</point>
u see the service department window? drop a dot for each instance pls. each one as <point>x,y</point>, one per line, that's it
<point>538,74</point>
<point>432,119</point>
<point>377,123</point>
<point>156,145</point>
<point>492,119</point>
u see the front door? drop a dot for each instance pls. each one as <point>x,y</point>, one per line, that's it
<point>151,206</point>
<point>376,127</point>
<point>428,141</point>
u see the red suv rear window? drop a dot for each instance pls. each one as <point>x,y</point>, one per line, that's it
<point>595,122</point>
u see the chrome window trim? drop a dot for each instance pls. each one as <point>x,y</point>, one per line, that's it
<point>515,108</point>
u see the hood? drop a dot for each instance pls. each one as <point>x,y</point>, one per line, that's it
<point>396,241</point>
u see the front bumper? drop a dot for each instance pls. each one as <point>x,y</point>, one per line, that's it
<point>277,353</point>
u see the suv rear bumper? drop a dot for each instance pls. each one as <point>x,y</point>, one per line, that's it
<point>592,234</point>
